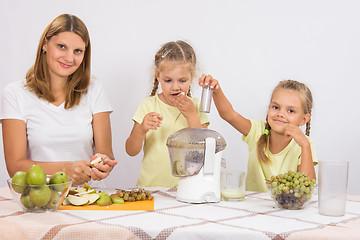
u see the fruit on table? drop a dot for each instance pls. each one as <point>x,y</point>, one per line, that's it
<point>90,196</point>
<point>35,192</point>
<point>291,190</point>
<point>116,199</point>
<point>54,199</point>
<point>19,178</point>
<point>40,196</point>
<point>77,201</point>
<point>35,175</point>
<point>104,199</point>
<point>26,202</point>
<point>134,195</point>
<point>58,178</point>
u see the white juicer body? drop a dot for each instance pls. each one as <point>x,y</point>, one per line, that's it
<point>204,186</point>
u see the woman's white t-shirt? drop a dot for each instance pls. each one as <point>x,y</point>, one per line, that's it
<point>53,132</point>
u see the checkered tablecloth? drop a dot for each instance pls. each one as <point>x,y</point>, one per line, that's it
<point>257,217</point>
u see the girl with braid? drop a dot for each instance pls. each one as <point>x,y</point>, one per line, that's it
<point>277,145</point>
<point>160,115</point>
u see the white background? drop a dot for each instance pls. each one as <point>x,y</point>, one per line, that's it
<point>249,45</point>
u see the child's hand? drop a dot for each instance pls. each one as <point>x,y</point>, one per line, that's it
<point>151,121</point>
<point>185,105</point>
<point>209,80</point>
<point>296,133</point>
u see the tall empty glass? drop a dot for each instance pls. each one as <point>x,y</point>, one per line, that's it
<point>206,96</point>
<point>333,179</point>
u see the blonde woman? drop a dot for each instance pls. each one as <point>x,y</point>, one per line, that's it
<point>58,117</point>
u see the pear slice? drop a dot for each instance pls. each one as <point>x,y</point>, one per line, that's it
<point>96,160</point>
<point>92,197</point>
<point>86,192</point>
<point>77,201</point>
<point>66,202</point>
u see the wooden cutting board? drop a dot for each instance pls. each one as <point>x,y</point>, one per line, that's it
<point>145,205</point>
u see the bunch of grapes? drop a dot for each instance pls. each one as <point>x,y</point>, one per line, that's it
<point>134,195</point>
<point>291,190</point>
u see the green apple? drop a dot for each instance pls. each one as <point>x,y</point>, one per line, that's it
<point>104,199</point>
<point>40,196</point>
<point>58,178</point>
<point>26,202</point>
<point>36,175</point>
<point>54,199</point>
<point>19,182</point>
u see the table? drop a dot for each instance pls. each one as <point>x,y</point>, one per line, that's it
<point>257,217</point>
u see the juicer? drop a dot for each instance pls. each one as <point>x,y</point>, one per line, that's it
<point>195,156</point>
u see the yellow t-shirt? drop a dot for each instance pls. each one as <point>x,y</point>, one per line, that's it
<point>288,159</point>
<point>156,168</point>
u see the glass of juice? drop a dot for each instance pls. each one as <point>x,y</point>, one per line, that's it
<point>232,185</point>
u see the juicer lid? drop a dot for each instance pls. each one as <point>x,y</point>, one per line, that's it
<point>194,138</point>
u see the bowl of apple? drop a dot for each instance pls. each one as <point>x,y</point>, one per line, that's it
<point>35,191</point>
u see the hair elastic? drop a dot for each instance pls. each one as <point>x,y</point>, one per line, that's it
<point>266,132</point>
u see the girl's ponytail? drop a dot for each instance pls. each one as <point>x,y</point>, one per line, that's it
<point>155,87</point>
<point>262,145</point>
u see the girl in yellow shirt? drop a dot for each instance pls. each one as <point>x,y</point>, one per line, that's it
<point>160,115</point>
<point>277,145</point>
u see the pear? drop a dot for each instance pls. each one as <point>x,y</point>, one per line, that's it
<point>116,199</point>
<point>87,186</point>
<point>104,199</point>
<point>19,182</point>
<point>92,197</point>
<point>66,201</point>
<point>77,201</point>
<point>26,202</point>
<point>58,179</point>
<point>86,192</point>
<point>96,159</point>
<point>40,196</point>
<point>35,175</point>
<point>54,199</point>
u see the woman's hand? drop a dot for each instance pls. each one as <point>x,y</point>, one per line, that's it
<point>79,171</point>
<point>151,121</point>
<point>208,80</point>
<point>101,170</point>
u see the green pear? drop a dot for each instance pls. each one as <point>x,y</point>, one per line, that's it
<point>40,196</point>
<point>36,175</point>
<point>54,199</point>
<point>87,186</point>
<point>104,199</point>
<point>116,199</point>
<point>26,202</point>
<point>19,182</point>
<point>58,179</point>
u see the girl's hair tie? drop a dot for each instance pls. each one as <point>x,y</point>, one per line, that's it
<point>266,132</point>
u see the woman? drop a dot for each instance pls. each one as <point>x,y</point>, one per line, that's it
<point>58,117</point>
